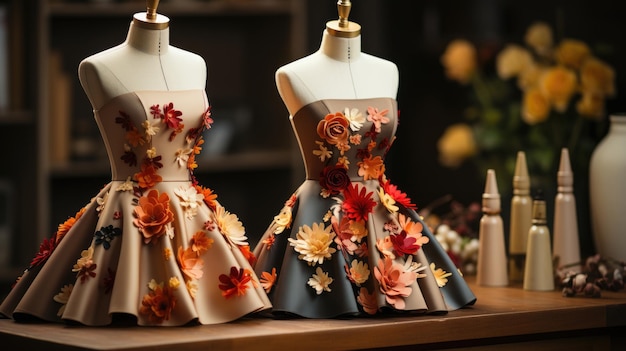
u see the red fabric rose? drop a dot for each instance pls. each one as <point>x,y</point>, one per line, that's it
<point>334,178</point>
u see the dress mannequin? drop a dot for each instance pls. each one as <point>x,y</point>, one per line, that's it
<point>145,61</point>
<point>338,70</point>
<point>329,252</point>
<point>153,247</point>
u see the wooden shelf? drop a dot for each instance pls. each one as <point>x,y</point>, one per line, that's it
<point>503,318</point>
<point>16,117</point>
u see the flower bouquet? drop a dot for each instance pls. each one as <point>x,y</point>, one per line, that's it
<point>538,98</point>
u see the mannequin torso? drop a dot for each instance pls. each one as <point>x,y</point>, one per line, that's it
<point>145,61</point>
<point>338,70</point>
<point>344,114</point>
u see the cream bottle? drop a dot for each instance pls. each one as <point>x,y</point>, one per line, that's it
<point>538,272</point>
<point>492,263</point>
<point>520,220</point>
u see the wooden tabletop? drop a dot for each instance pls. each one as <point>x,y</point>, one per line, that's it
<point>500,314</point>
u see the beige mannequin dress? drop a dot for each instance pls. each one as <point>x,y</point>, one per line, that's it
<point>152,246</point>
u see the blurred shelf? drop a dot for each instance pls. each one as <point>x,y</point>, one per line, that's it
<point>180,8</point>
<point>16,117</point>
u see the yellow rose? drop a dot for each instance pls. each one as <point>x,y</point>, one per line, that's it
<point>456,144</point>
<point>539,37</point>
<point>535,106</point>
<point>558,84</point>
<point>591,106</point>
<point>597,78</point>
<point>572,53</point>
<point>530,76</point>
<point>459,60</point>
<point>513,60</point>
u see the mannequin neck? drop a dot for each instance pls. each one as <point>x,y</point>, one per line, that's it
<point>149,41</point>
<point>341,49</point>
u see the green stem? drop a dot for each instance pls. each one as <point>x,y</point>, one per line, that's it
<point>575,135</point>
<point>482,92</point>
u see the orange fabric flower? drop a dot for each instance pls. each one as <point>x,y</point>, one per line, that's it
<point>64,228</point>
<point>148,176</point>
<point>200,242</point>
<point>210,198</point>
<point>334,128</point>
<point>268,280</point>
<point>269,241</point>
<point>371,167</point>
<point>394,281</point>
<point>153,214</point>
<point>234,284</point>
<point>248,254</point>
<point>190,263</point>
<point>158,304</point>
<point>80,213</point>
<point>191,162</point>
<point>134,138</point>
<point>367,301</point>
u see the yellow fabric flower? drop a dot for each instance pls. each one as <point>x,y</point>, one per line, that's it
<point>440,275</point>
<point>387,201</point>
<point>320,281</point>
<point>459,60</point>
<point>597,77</point>
<point>230,226</point>
<point>174,283</point>
<point>539,38</point>
<point>558,84</point>
<point>359,272</point>
<point>456,144</point>
<point>535,107</point>
<point>572,53</point>
<point>63,297</point>
<point>313,243</point>
<point>282,220</point>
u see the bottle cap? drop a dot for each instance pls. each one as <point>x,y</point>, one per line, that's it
<point>491,196</point>
<point>565,177</point>
<point>521,180</point>
<point>539,208</point>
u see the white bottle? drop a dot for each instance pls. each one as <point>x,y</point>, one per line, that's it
<point>566,245</point>
<point>492,263</point>
<point>520,220</point>
<point>538,273</point>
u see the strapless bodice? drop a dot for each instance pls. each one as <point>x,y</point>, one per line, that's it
<point>157,129</point>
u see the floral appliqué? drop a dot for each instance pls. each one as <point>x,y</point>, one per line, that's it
<point>159,303</point>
